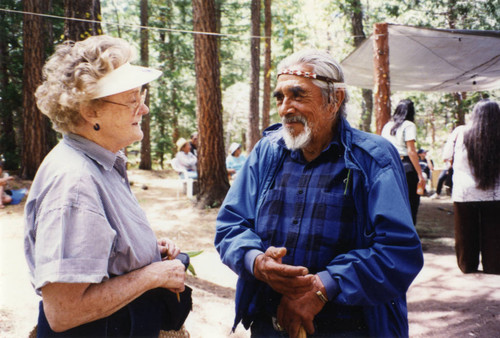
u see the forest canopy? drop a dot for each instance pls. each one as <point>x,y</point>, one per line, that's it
<point>333,25</point>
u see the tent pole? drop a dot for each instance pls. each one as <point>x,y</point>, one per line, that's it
<point>382,87</point>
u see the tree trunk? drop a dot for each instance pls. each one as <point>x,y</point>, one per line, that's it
<point>253,114</point>
<point>36,142</point>
<point>212,172</point>
<point>266,100</point>
<point>82,9</point>
<point>367,110</point>
<point>359,38</point>
<point>381,75</point>
<point>8,144</point>
<point>145,124</point>
<point>459,114</point>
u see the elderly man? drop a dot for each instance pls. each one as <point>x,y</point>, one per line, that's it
<point>317,224</point>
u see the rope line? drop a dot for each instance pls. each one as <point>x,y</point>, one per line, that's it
<point>146,27</point>
<point>133,26</point>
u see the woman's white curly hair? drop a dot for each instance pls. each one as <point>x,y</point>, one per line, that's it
<point>71,74</point>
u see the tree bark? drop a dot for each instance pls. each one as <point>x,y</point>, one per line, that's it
<point>146,119</point>
<point>36,142</point>
<point>459,113</point>
<point>212,172</point>
<point>266,100</point>
<point>8,144</point>
<point>359,37</point>
<point>253,117</point>
<point>381,75</point>
<point>82,9</point>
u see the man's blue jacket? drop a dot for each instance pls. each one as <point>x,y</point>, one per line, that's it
<point>388,253</point>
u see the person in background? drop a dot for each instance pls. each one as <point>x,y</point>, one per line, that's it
<point>402,133</point>
<point>474,150</point>
<point>317,225</point>
<point>91,252</point>
<point>426,164</point>
<point>444,179</point>
<point>4,178</point>
<point>185,158</point>
<point>235,160</point>
<point>194,143</point>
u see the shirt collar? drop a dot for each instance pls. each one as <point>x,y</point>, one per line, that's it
<point>104,157</point>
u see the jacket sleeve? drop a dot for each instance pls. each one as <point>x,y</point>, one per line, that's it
<point>389,254</point>
<point>235,234</point>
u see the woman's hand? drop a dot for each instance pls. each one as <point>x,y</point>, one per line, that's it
<point>168,249</point>
<point>421,185</point>
<point>169,274</point>
<point>68,305</point>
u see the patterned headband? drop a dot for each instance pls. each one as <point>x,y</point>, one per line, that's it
<point>311,75</point>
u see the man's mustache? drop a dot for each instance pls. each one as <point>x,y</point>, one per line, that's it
<point>293,119</point>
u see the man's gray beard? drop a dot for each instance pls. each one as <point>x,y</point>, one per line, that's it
<point>299,141</point>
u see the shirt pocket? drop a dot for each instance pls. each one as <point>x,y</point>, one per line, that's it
<point>333,225</point>
<point>267,224</point>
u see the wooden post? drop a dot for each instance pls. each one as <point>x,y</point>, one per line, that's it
<point>382,87</point>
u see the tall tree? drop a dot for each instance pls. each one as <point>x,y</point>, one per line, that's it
<point>86,10</point>
<point>36,138</point>
<point>253,133</point>
<point>10,84</point>
<point>212,172</point>
<point>359,38</point>
<point>381,76</point>
<point>266,100</point>
<point>173,113</point>
<point>145,124</point>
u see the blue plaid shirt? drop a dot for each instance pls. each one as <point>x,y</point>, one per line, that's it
<point>309,210</point>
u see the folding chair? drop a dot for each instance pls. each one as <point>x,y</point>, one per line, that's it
<point>184,178</point>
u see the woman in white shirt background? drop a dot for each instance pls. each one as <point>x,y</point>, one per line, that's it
<point>474,150</point>
<point>185,158</point>
<point>402,133</point>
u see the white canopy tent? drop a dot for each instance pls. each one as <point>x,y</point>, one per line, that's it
<point>425,59</point>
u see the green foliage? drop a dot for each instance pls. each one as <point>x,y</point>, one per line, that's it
<point>11,55</point>
<point>193,254</point>
<point>297,24</point>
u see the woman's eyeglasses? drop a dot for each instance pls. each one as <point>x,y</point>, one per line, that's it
<point>134,107</point>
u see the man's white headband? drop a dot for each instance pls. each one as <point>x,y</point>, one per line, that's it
<point>311,75</point>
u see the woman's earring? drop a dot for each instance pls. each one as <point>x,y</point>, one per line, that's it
<point>97,127</point>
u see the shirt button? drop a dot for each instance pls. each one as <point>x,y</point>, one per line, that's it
<point>301,192</point>
<point>295,221</point>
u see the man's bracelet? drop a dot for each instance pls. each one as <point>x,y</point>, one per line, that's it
<point>321,296</point>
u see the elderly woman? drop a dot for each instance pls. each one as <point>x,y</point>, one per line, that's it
<point>186,160</point>
<point>235,160</point>
<point>91,252</point>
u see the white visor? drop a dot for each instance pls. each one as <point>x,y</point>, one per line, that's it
<point>124,78</point>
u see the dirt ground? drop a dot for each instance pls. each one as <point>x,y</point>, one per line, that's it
<point>442,302</point>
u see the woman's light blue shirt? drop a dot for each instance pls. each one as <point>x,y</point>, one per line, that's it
<point>82,222</point>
